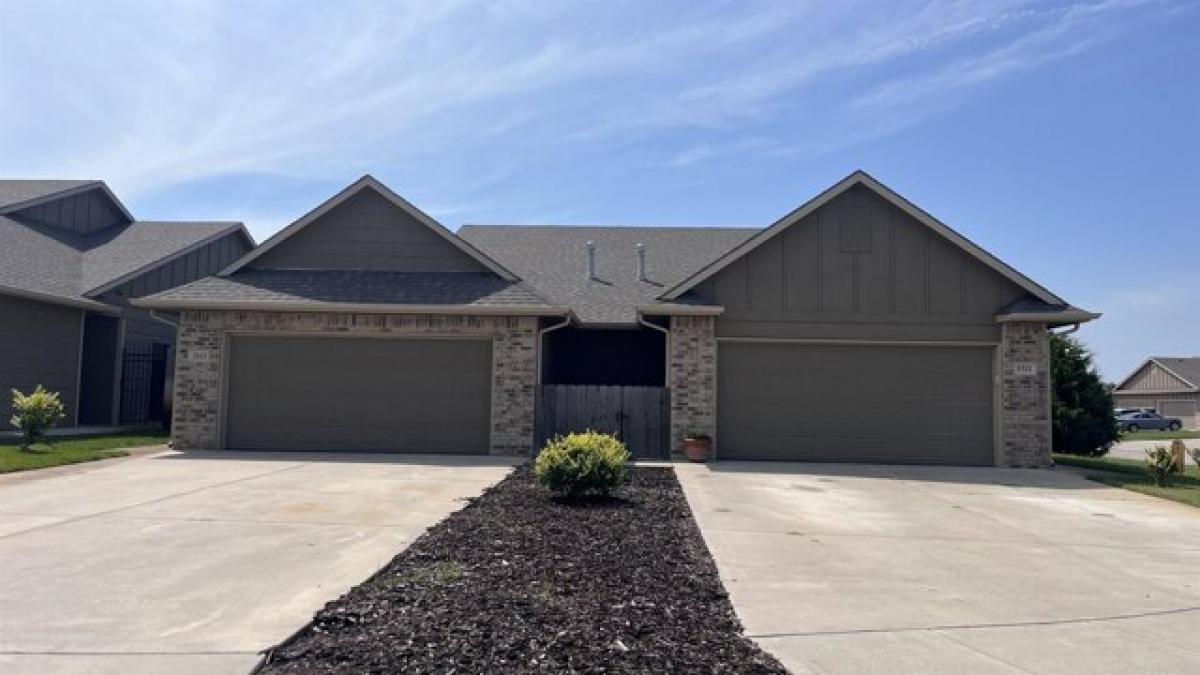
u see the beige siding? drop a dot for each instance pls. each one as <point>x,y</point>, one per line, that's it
<point>368,232</point>
<point>1153,377</point>
<point>39,344</point>
<point>859,268</point>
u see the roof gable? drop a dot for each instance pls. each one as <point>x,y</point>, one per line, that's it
<point>863,179</point>
<point>368,227</point>
<point>1158,372</point>
<point>79,207</point>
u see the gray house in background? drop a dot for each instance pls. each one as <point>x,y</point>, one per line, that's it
<point>1169,384</point>
<point>855,328</point>
<point>72,258</point>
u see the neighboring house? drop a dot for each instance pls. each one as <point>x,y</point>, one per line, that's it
<point>1170,384</point>
<point>71,259</point>
<point>856,328</point>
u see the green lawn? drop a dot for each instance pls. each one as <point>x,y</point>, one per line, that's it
<point>1131,474</point>
<point>1159,435</point>
<point>73,450</point>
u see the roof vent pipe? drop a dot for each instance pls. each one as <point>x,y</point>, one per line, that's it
<point>641,262</point>
<point>591,260</point>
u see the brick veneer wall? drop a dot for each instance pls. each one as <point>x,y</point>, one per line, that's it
<point>693,377</point>
<point>200,352</point>
<point>1025,397</point>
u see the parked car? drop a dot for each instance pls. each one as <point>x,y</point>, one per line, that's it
<point>1137,421</point>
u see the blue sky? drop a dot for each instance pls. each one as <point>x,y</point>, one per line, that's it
<point>1063,137</point>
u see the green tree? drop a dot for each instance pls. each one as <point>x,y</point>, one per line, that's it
<point>1084,422</point>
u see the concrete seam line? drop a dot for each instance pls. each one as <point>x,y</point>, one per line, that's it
<point>980,652</point>
<point>977,626</point>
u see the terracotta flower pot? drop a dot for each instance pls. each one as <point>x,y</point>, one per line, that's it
<point>697,448</point>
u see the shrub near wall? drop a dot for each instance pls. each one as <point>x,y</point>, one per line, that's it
<point>582,463</point>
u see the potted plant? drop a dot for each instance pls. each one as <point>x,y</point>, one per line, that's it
<point>697,447</point>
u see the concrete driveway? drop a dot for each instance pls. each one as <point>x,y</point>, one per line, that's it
<point>189,563</point>
<point>869,569</point>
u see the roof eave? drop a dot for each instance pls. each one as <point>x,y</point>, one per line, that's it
<point>1065,317</point>
<point>78,303</point>
<point>362,308</point>
<point>681,310</point>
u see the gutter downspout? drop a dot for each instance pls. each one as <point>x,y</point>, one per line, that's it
<point>162,319</point>
<point>541,342</point>
<point>666,347</point>
<point>1072,329</point>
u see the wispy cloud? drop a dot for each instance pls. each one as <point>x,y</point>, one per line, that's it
<point>193,91</point>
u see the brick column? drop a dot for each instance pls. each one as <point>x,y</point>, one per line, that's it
<point>692,377</point>
<point>197,397</point>
<point>1025,419</point>
<point>514,385</point>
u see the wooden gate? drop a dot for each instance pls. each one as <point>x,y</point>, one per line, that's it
<point>639,416</point>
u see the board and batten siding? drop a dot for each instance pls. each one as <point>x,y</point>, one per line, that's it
<point>39,344</point>
<point>202,262</point>
<point>81,213</point>
<point>1153,377</point>
<point>367,232</point>
<point>859,268</point>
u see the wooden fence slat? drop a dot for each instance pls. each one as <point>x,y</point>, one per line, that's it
<point>638,415</point>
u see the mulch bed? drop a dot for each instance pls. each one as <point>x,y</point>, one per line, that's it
<point>519,581</point>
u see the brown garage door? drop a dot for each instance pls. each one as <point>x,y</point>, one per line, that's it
<point>359,394</point>
<point>855,403</point>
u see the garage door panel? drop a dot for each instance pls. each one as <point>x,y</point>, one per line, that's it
<point>359,394</point>
<point>855,403</point>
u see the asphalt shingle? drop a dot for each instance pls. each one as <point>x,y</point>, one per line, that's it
<point>553,260</point>
<point>13,192</point>
<point>1186,367</point>
<point>314,287</point>
<point>48,261</point>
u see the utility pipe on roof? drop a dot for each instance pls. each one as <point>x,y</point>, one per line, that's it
<point>591,260</point>
<point>641,262</point>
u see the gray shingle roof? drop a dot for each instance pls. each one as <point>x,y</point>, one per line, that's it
<point>14,192</point>
<point>552,259</point>
<point>115,252</point>
<point>249,287</point>
<point>46,261</point>
<point>1186,367</point>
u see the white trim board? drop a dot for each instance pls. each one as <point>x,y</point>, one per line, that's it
<point>369,182</point>
<point>860,177</point>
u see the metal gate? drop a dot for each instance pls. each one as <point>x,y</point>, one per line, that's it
<point>143,383</point>
<point>639,416</point>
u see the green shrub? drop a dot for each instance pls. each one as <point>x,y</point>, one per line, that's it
<point>1160,462</point>
<point>579,463</point>
<point>1083,422</point>
<point>35,413</point>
